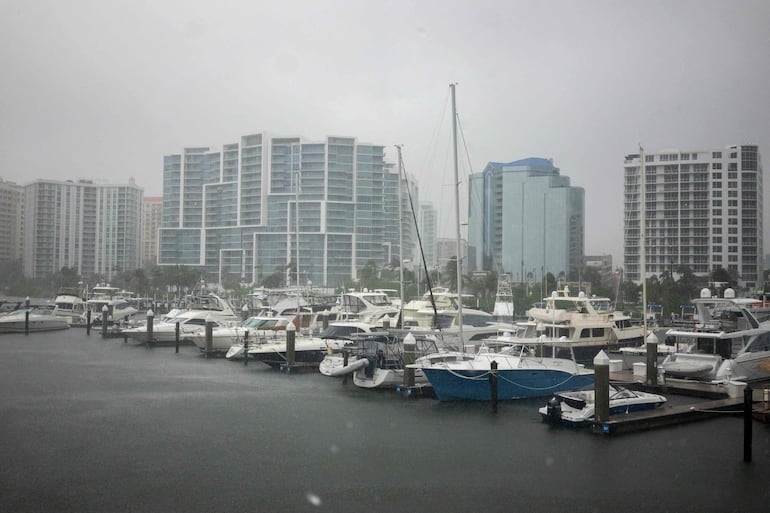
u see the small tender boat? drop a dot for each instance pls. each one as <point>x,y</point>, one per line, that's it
<point>577,408</point>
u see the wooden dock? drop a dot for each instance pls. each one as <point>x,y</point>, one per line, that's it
<point>709,400</point>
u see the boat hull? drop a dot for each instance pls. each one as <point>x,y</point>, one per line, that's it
<point>474,385</point>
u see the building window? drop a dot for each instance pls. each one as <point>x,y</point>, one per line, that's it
<point>716,154</point>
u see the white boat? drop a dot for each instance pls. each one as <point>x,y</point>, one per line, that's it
<point>344,331</point>
<point>307,350</point>
<point>229,339</point>
<point>578,408</point>
<point>726,343</point>
<point>39,319</point>
<point>380,358</point>
<point>589,322</point>
<point>535,369</point>
<point>115,301</point>
<point>191,320</point>
<point>70,304</point>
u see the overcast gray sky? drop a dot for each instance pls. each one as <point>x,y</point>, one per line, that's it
<point>103,89</point>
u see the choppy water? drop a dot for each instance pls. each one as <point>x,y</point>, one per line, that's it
<point>93,425</point>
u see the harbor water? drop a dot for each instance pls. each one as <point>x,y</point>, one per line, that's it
<point>99,425</point>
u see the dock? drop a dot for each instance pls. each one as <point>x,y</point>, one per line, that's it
<point>709,400</point>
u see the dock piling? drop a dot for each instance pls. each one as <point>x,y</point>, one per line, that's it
<point>176,336</point>
<point>410,348</point>
<point>493,384</point>
<point>748,422</point>
<point>652,359</point>
<point>88,322</point>
<point>26,322</point>
<point>290,341</point>
<point>150,326</point>
<point>209,337</point>
<point>602,387</point>
<point>104,320</point>
<point>246,348</point>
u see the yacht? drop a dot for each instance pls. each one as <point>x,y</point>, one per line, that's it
<point>118,306</point>
<point>39,319</point>
<point>727,342</point>
<point>192,319</point>
<point>587,322</point>
<point>70,304</point>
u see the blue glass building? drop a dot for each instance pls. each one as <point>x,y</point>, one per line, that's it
<point>525,219</point>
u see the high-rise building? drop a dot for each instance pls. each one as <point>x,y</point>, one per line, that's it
<point>152,213</point>
<point>11,209</point>
<point>446,250</point>
<point>91,227</point>
<point>239,212</point>
<point>703,210</point>
<point>429,233</point>
<point>525,219</point>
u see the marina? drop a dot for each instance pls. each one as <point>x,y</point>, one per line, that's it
<point>96,424</point>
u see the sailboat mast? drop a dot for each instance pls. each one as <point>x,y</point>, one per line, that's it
<point>642,241</point>
<point>400,247</point>
<point>457,222</point>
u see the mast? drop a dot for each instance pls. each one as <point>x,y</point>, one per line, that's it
<point>400,248</point>
<point>642,241</point>
<point>457,222</point>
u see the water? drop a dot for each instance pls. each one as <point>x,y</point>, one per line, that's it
<point>93,425</point>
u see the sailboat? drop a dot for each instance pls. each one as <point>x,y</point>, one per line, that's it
<point>522,372</point>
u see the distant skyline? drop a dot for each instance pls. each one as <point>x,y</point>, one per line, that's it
<point>103,90</point>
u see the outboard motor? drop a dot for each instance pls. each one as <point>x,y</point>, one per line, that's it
<point>553,410</point>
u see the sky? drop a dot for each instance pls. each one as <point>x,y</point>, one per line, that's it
<point>104,89</point>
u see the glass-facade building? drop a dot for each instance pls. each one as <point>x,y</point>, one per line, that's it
<point>703,210</point>
<point>91,227</point>
<point>525,219</point>
<point>266,204</point>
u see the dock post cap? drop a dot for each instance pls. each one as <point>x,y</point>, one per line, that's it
<point>290,327</point>
<point>409,339</point>
<point>150,313</point>
<point>245,308</point>
<point>104,308</point>
<point>601,358</point>
<point>652,338</point>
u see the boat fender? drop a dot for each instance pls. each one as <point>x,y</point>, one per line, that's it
<point>553,409</point>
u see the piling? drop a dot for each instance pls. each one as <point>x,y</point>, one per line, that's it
<point>150,326</point>
<point>176,336</point>
<point>209,337</point>
<point>290,340</point>
<point>410,348</point>
<point>88,322</point>
<point>493,384</point>
<point>386,322</point>
<point>26,302</point>
<point>652,359</point>
<point>104,320</point>
<point>602,387</point>
<point>26,322</point>
<point>325,319</point>
<point>245,312</point>
<point>747,422</point>
<point>246,348</point>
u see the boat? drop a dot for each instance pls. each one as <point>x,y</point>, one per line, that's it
<point>307,350</point>
<point>588,322</point>
<point>32,319</point>
<point>70,304</point>
<point>191,320</point>
<point>533,369</point>
<point>726,343</point>
<point>227,338</point>
<point>110,299</point>
<point>578,408</point>
<point>380,358</point>
<point>344,331</point>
